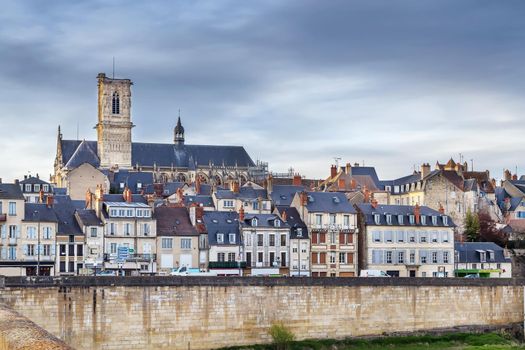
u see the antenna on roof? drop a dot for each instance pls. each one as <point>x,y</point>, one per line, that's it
<point>471,164</point>
<point>113,67</point>
<point>337,159</point>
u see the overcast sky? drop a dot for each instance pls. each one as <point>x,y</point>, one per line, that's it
<point>297,83</point>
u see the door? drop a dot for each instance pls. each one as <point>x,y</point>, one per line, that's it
<point>185,260</point>
<point>412,273</point>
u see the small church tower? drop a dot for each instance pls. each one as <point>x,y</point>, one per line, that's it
<point>114,122</point>
<point>178,138</point>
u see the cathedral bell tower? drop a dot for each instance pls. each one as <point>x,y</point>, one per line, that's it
<point>114,122</point>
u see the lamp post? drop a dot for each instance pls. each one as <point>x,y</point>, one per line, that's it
<point>38,244</point>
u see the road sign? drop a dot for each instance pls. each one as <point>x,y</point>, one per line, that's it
<point>122,253</point>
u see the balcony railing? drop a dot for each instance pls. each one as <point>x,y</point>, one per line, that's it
<point>226,264</point>
<point>131,257</point>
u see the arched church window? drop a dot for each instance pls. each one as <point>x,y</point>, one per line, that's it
<point>115,105</point>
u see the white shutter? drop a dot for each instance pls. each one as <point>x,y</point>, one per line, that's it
<point>52,249</point>
<point>17,231</point>
<point>4,231</point>
<point>25,249</point>
<point>4,253</point>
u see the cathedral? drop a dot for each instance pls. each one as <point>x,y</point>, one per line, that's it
<point>114,150</point>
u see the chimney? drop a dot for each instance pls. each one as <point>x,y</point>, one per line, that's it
<point>0,180</point>
<point>127,195</point>
<point>441,209</point>
<point>241,214</point>
<point>151,202</point>
<point>41,196</point>
<point>88,199</point>
<point>366,192</point>
<point>353,184</point>
<point>507,175</point>
<point>425,170</point>
<point>284,216</point>
<point>180,196</point>
<point>514,177</point>
<point>25,177</point>
<point>333,171</point>
<point>348,168</point>
<point>297,180</point>
<point>417,213</point>
<point>374,203</point>
<point>304,198</point>
<point>198,185</point>
<point>493,183</point>
<point>341,184</point>
<point>49,201</point>
<point>99,198</point>
<point>235,187</point>
<point>269,184</point>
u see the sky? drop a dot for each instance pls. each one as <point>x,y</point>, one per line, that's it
<point>392,84</point>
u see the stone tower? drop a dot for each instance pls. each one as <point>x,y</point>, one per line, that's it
<point>114,122</point>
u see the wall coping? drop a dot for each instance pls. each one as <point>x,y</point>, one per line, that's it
<point>161,281</point>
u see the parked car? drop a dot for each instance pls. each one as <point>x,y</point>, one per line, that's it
<point>106,273</point>
<point>472,275</point>
<point>188,271</point>
<point>373,273</point>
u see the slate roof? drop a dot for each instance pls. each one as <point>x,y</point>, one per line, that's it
<point>33,180</point>
<point>282,195</point>
<point>206,201</point>
<point>245,193</point>
<point>482,178</point>
<point>263,220</point>
<point>37,212</point>
<point>293,219</point>
<point>468,252</point>
<point>131,179</point>
<point>329,202</point>
<point>164,155</point>
<point>174,221</point>
<point>135,198</point>
<point>409,179</point>
<point>10,191</point>
<point>221,222</point>
<point>368,171</point>
<point>65,211</point>
<point>470,185</point>
<point>89,217</point>
<point>368,212</point>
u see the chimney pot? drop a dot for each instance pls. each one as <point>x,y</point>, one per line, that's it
<point>333,171</point>
<point>297,180</point>
<point>417,213</point>
<point>49,201</point>
<point>241,214</point>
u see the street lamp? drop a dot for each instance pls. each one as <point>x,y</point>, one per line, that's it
<point>38,244</point>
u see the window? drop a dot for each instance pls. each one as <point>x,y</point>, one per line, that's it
<point>139,213</point>
<point>377,219</point>
<point>400,236</point>
<point>248,259</point>
<point>299,232</point>
<point>231,238</point>
<point>444,237</point>
<point>121,212</point>
<point>332,257</point>
<point>400,257</point>
<point>221,256</point>
<point>423,220</point>
<point>482,256</point>
<point>346,220</point>
<point>272,240</point>
<point>47,250</point>
<point>434,220</point>
<point>231,256</point>
<point>12,253</point>
<point>146,229</point>
<point>318,219</point>
<point>283,240</point>
<point>31,232</point>
<point>255,205</point>
<point>147,213</point>
<point>389,219</point>
<point>30,251</point>
<point>423,256</point>
<point>388,257</point>
<point>228,204</point>
<point>342,258</point>
<point>220,238</point>
<point>423,237</point>
<point>93,232</point>
<point>248,239</point>
<point>400,219</point>
<point>434,236</point>
<point>445,220</point>
<point>388,237</point>
<point>411,236</point>
<point>45,188</point>
<point>112,247</point>
<point>332,219</point>
<point>445,257</point>
<point>12,231</point>
<point>113,212</point>
<point>167,243</point>
<point>260,256</point>
<point>376,236</point>
<point>260,240</point>
<point>277,223</point>
<point>112,228</point>
<point>129,212</point>
<point>127,229</point>
<point>185,243</point>
<point>115,103</point>
<point>377,256</point>
<point>28,188</point>
<point>491,254</point>
<point>412,257</point>
<point>12,208</point>
<point>48,231</point>
<point>333,236</point>
<point>254,222</point>
<point>411,219</point>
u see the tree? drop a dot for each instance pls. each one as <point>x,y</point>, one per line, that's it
<point>281,335</point>
<point>471,231</point>
<point>488,231</point>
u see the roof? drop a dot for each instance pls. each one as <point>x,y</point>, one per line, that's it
<point>263,220</point>
<point>221,222</point>
<point>482,178</point>
<point>39,212</point>
<point>10,191</point>
<point>470,252</point>
<point>65,211</point>
<point>470,185</point>
<point>329,202</point>
<point>118,198</point>
<point>174,221</point>
<point>409,179</point>
<point>164,155</point>
<point>33,180</point>
<point>245,193</point>
<point>88,217</point>
<point>283,194</point>
<point>368,212</point>
<point>293,219</point>
<point>206,201</point>
<point>131,179</point>
<point>368,171</point>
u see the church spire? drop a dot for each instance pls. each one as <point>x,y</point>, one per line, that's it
<point>179,133</point>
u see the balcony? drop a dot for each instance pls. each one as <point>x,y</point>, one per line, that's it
<point>226,264</point>
<point>3,217</point>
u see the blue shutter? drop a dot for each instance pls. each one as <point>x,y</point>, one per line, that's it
<point>4,231</point>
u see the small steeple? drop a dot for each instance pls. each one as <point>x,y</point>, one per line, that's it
<point>179,133</point>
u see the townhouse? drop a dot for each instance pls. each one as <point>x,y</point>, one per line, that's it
<point>405,241</point>
<point>252,197</point>
<point>481,259</point>
<point>12,213</point>
<point>299,251</point>
<point>332,226</point>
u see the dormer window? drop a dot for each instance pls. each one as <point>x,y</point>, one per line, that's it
<point>277,223</point>
<point>400,219</point>
<point>254,222</point>
<point>45,188</point>
<point>445,220</point>
<point>491,255</point>
<point>115,103</point>
<point>482,256</point>
<point>411,219</point>
<point>434,220</point>
<point>220,238</point>
<point>389,219</point>
<point>423,220</point>
<point>299,232</point>
<point>377,219</point>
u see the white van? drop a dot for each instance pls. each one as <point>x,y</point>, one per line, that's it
<point>373,273</point>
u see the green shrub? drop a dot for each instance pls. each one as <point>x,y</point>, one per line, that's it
<point>281,335</point>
